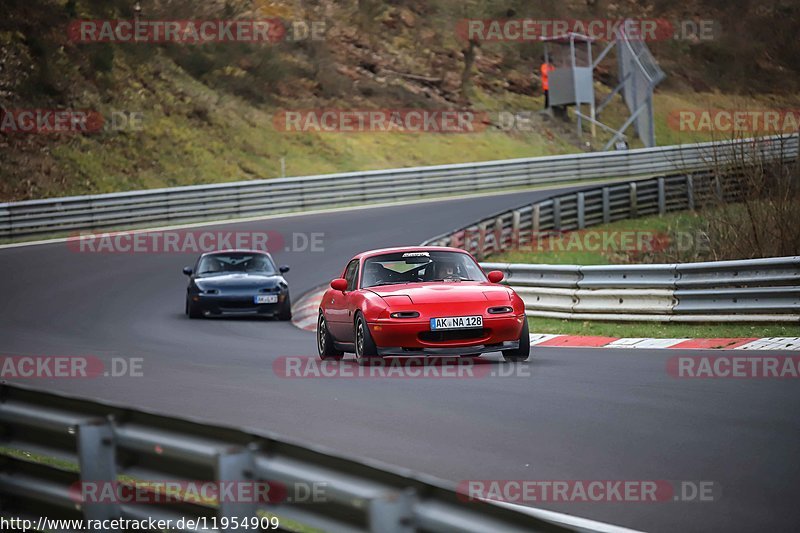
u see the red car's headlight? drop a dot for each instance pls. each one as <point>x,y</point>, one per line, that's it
<point>405,314</point>
<point>500,310</point>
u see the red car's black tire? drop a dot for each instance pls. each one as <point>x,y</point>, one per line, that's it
<point>366,351</point>
<point>325,346</point>
<point>524,351</point>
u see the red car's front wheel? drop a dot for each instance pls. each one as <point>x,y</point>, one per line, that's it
<point>524,351</point>
<point>366,351</point>
<point>325,345</point>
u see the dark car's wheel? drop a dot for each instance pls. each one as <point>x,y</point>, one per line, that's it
<point>286,311</point>
<point>524,351</point>
<point>192,309</point>
<point>366,351</point>
<point>325,345</point>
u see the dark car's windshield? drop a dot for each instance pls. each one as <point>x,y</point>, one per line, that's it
<point>419,266</point>
<point>235,262</point>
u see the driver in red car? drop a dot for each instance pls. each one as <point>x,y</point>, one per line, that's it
<point>445,270</point>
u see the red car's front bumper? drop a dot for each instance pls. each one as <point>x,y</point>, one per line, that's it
<point>414,337</point>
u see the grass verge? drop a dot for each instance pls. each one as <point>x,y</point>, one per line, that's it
<point>659,330</point>
<point>592,249</point>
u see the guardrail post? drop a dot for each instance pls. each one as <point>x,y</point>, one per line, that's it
<point>499,242</point>
<point>662,196</point>
<point>515,218</point>
<point>606,205</point>
<point>236,467</point>
<point>481,251</point>
<point>97,461</point>
<point>392,513</point>
<point>634,207</point>
<point>557,214</point>
<point>581,210</point>
<point>5,221</point>
<point>467,240</point>
<point>690,191</point>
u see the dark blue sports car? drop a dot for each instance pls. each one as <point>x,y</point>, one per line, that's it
<point>237,283</point>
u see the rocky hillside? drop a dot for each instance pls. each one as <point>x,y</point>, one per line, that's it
<point>192,113</point>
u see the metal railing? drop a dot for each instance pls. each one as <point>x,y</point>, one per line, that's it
<point>527,225</point>
<point>727,291</point>
<point>112,446</point>
<point>262,197</point>
<point>751,290</point>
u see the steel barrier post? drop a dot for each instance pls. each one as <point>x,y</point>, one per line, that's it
<point>515,218</point>
<point>97,462</point>
<point>392,513</point>
<point>236,467</point>
<point>481,251</point>
<point>499,241</point>
<point>557,213</point>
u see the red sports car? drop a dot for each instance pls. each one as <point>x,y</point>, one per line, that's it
<point>420,301</point>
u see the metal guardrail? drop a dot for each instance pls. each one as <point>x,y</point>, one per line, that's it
<point>108,442</point>
<point>729,291</point>
<point>262,197</point>
<point>527,225</point>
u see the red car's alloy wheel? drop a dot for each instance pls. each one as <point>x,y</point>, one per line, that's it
<point>365,346</point>
<point>325,341</point>
<point>524,351</point>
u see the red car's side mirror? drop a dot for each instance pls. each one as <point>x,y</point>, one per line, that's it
<point>495,276</point>
<point>339,284</point>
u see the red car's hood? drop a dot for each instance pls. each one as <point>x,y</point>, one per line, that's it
<point>438,292</point>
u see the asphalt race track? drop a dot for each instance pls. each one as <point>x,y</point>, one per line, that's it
<point>580,414</point>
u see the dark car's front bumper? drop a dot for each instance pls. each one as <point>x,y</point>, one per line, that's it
<point>240,305</point>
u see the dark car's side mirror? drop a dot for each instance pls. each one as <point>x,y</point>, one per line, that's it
<point>339,284</point>
<point>284,269</point>
<point>188,271</point>
<point>495,276</point>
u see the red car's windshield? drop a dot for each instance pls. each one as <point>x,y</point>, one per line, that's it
<point>419,266</point>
